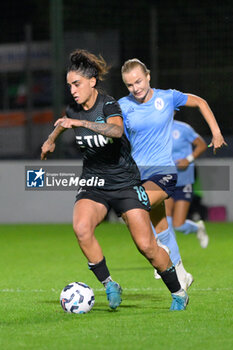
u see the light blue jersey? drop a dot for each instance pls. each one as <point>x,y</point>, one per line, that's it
<point>148,127</point>
<point>183,136</point>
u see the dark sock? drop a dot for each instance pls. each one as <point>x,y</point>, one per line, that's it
<point>169,277</point>
<point>101,271</point>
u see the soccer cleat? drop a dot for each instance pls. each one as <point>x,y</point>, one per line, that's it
<point>156,275</point>
<point>113,291</point>
<point>179,302</point>
<point>202,235</point>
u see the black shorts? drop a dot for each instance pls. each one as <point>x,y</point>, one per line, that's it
<point>119,200</point>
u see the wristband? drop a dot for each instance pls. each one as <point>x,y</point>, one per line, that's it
<point>190,158</point>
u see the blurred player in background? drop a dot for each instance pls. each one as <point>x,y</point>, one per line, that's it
<point>98,126</point>
<point>148,117</point>
<point>187,146</point>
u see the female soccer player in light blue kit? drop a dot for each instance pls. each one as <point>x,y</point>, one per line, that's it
<point>148,117</point>
<point>187,146</point>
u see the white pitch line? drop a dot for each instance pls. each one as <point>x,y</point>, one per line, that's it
<point>18,290</point>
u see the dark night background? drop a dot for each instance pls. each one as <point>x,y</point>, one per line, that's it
<point>193,44</point>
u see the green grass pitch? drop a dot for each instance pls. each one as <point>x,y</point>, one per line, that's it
<point>37,261</point>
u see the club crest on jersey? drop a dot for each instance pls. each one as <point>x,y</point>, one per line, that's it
<point>93,141</point>
<point>159,103</point>
<point>100,119</point>
<point>176,134</point>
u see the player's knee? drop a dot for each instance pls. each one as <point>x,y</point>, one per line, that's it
<point>82,230</point>
<point>146,247</point>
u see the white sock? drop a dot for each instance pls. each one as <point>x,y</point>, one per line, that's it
<point>180,292</point>
<point>180,270</point>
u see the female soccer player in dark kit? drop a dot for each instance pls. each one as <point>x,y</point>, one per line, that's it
<point>98,126</point>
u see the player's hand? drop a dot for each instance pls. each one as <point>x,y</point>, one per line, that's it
<point>67,122</point>
<point>217,142</point>
<point>182,164</point>
<point>48,146</point>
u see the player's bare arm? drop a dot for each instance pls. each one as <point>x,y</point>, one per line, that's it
<point>217,139</point>
<point>49,144</point>
<point>199,147</point>
<point>113,127</point>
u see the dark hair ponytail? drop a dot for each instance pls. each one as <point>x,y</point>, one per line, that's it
<point>88,65</point>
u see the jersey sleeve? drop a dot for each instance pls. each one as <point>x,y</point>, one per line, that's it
<point>111,108</point>
<point>179,99</point>
<point>190,133</point>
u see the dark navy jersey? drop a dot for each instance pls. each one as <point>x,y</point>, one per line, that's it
<point>104,157</point>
